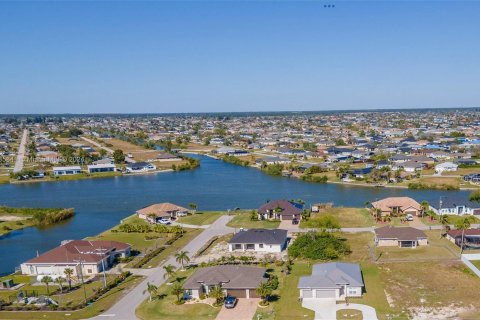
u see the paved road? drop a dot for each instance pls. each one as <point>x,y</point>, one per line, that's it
<point>124,309</point>
<point>21,153</point>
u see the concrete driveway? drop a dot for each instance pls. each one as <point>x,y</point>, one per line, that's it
<point>325,309</point>
<point>287,225</point>
<point>244,310</point>
<point>368,312</point>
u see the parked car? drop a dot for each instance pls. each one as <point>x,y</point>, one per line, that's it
<point>181,214</point>
<point>164,221</point>
<point>409,217</point>
<point>230,302</point>
<point>295,221</point>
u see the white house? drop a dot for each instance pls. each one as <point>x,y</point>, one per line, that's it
<point>83,256</point>
<point>63,171</point>
<point>333,280</point>
<point>139,167</point>
<point>446,166</point>
<point>259,240</point>
<point>101,167</point>
<point>456,205</point>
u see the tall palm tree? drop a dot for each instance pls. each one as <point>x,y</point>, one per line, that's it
<point>444,220</point>
<point>216,293</point>
<point>69,274</point>
<point>47,280</point>
<point>463,225</point>
<point>169,271</point>
<point>60,281</point>
<point>182,257</point>
<point>151,289</point>
<point>425,207</point>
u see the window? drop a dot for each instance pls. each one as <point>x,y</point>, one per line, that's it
<point>237,246</point>
<point>260,245</point>
<point>250,246</point>
<point>89,270</point>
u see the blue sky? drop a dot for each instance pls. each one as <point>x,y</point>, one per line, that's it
<point>78,57</point>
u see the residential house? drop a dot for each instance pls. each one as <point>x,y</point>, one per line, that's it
<point>103,167</point>
<point>89,257</point>
<point>280,209</point>
<point>165,156</point>
<point>259,240</point>
<point>235,280</point>
<point>139,167</point>
<point>63,171</point>
<point>396,206</point>
<point>333,280</point>
<point>161,210</point>
<point>445,167</point>
<point>402,237</point>
<point>456,205</point>
<point>471,238</point>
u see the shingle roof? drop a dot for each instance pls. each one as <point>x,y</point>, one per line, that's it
<point>87,250</point>
<point>231,277</point>
<point>469,232</point>
<point>456,201</point>
<point>287,206</point>
<point>330,275</point>
<point>161,209</point>
<point>400,233</point>
<point>275,236</point>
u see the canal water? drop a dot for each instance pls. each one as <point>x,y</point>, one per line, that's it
<point>101,203</point>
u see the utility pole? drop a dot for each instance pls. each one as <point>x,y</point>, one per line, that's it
<point>80,261</point>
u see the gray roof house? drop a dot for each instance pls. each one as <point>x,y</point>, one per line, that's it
<point>259,240</point>
<point>333,280</point>
<point>457,205</point>
<point>238,281</point>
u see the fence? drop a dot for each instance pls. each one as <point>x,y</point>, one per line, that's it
<point>466,259</point>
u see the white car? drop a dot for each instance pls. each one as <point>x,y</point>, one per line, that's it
<point>182,214</point>
<point>164,221</point>
<point>409,217</point>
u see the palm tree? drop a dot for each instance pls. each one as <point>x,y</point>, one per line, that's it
<point>444,220</point>
<point>463,225</point>
<point>216,293</point>
<point>47,280</point>
<point>182,257</point>
<point>169,271</point>
<point>177,290</point>
<point>264,291</point>
<point>425,207</point>
<point>151,289</point>
<point>69,274</point>
<point>193,206</point>
<point>60,281</point>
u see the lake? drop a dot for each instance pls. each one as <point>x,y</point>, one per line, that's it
<point>101,203</point>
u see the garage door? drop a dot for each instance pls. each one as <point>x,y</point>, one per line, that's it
<point>307,293</point>
<point>325,294</point>
<point>253,294</point>
<point>239,293</point>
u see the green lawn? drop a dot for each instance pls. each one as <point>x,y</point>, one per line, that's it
<point>452,219</point>
<point>349,314</point>
<point>347,217</point>
<point>202,218</point>
<point>242,220</point>
<point>99,306</point>
<point>163,306</point>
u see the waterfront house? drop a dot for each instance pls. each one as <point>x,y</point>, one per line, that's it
<point>471,237</point>
<point>164,210</point>
<point>333,280</point>
<point>165,156</point>
<point>89,257</point>
<point>446,166</point>
<point>235,280</point>
<point>103,167</point>
<point>402,237</point>
<point>281,210</point>
<point>139,167</point>
<point>396,206</point>
<point>63,171</point>
<point>259,240</point>
<point>456,205</point>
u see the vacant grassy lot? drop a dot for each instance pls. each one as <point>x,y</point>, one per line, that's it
<point>347,217</point>
<point>202,218</point>
<point>452,220</point>
<point>433,286</point>
<point>163,306</point>
<point>242,220</point>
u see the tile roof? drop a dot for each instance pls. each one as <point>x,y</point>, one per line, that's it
<point>86,250</point>
<point>403,202</point>
<point>161,209</point>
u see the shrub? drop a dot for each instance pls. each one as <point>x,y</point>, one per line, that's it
<point>318,246</point>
